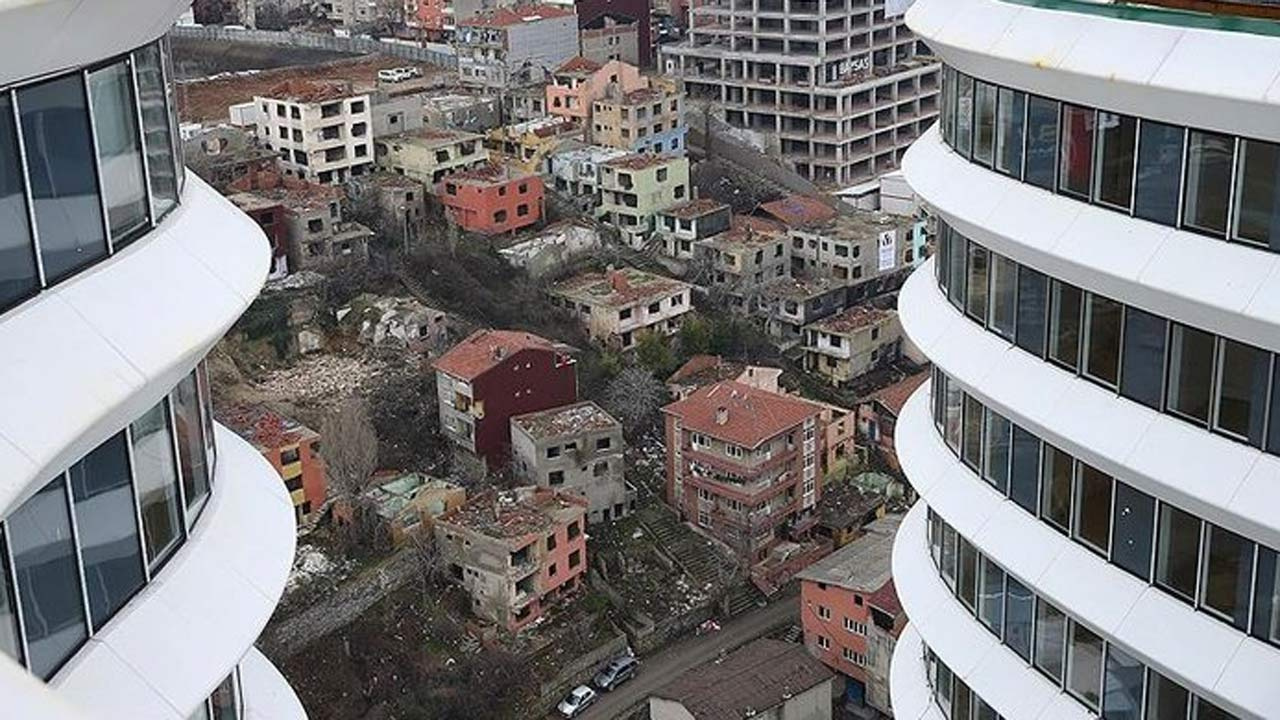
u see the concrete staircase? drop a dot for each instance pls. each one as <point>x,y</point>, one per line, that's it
<point>744,597</point>
<point>697,556</point>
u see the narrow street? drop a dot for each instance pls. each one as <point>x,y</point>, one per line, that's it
<point>659,669</point>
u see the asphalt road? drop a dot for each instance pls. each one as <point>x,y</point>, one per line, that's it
<point>668,664</point>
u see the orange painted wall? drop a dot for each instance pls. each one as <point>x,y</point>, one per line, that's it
<point>474,206</point>
<point>842,603</point>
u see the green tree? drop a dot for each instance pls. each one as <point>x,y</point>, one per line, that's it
<point>654,353</point>
<point>695,336</point>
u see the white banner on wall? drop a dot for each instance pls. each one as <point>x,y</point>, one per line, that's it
<point>888,249</point>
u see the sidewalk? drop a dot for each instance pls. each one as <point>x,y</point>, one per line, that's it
<point>670,663</point>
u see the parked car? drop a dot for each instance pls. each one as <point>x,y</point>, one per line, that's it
<point>616,672</point>
<point>576,701</point>
<point>393,75</point>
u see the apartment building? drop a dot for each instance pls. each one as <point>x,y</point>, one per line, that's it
<point>878,415</point>
<point>701,370</point>
<point>610,37</point>
<point>317,233</point>
<point>576,173</point>
<point>398,201</point>
<point>544,252</point>
<point>269,213</point>
<point>492,199</point>
<point>575,449</point>
<point>636,187</point>
<point>321,130</point>
<point>222,154</point>
<point>528,144</point>
<point>493,375</point>
<point>144,545</point>
<point>743,260</point>
<point>395,114</point>
<point>851,615</point>
<point>409,503</point>
<point>639,11</point>
<point>649,119</point>
<point>742,464</point>
<point>579,82</point>
<point>361,13</point>
<point>469,113</point>
<point>1097,464</point>
<point>429,155</point>
<point>789,304</point>
<point>680,226</point>
<point>292,448</point>
<point>508,47</point>
<point>835,89</point>
<point>617,307</point>
<point>515,552</point>
<point>851,343</point>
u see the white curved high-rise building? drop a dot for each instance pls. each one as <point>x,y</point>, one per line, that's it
<point>142,546</point>
<point>1098,451</point>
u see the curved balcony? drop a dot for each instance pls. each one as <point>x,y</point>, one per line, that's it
<point>1166,71</point>
<point>1202,282</point>
<point>911,696</point>
<point>267,695</point>
<point>173,643</point>
<point>90,355</point>
<point>1230,484</point>
<point>1158,629</point>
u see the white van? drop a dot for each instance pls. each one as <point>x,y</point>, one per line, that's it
<point>393,75</point>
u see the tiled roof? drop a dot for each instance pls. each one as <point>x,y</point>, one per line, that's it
<point>518,15</point>
<point>750,680</point>
<point>799,211</point>
<point>709,368</point>
<point>516,513</point>
<point>853,319</point>
<point>262,427</point>
<point>694,208</point>
<point>639,161</point>
<point>485,349</point>
<point>886,599</point>
<point>751,416</point>
<point>618,288</point>
<point>578,64</point>
<point>895,396</point>
<point>488,173</point>
<point>309,91</point>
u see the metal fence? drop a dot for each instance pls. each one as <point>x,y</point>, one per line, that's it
<point>332,43</point>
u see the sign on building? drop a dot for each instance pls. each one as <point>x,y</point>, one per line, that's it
<point>888,243</point>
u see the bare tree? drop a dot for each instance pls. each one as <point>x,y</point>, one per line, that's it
<point>350,452</point>
<point>634,397</point>
<point>433,571</point>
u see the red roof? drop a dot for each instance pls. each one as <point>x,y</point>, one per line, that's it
<point>799,211</point>
<point>886,599</point>
<point>485,349</point>
<point>578,64</point>
<point>520,14</point>
<point>895,396</point>
<point>751,416</point>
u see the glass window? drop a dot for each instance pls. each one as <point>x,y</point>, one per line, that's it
<point>983,711</point>
<point>1228,572</point>
<point>1084,664</point>
<point>1116,137</point>
<point>1166,699</point>
<point>949,555</point>
<point>206,405</point>
<point>961,701</point>
<point>1190,372</point>
<point>1076,173</point>
<point>942,690</point>
<point>64,188</point>
<point>157,483</point>
<point>1055,501</point>
<point>942,266</point>
<point>18,277</point>
<point>984,124</point>
<point>1122,687</point>
<point>948,124</point>
<point>1018,610</point>
<point>1266,598</point>
<point>1064,324</point>
<point>957,255</point>
<point>1207,190</point>
<point>1206,710</point>
<point>1004,284</point>
<point>964,115</point>
<point>971,452</point>
<point>967,574</point>
<point>156,129</point>
<point>223,702</point>
<point>1102,357</point>
<point>1142,370</point>
<point>1273,427</point>
<point>955,402</point>
<point>1033,304</point>
<point>191,445</point>
<point>1051,628</point>
<point>107,525</point>
<point>1133,525</point>
<point>115,123</point>
<point>935,538</point>
<point>1258,193</point>
<point>1024,474</point>
<point>1159,172</point>
<point>995,443</point>
<point>1178,552</point>
<point>1010,121</point>
<point>9,639</point>
<point>44,559</point>
<point>991,595</point>
<point>976,301</point>
<point>1042,142</point>
<point>1242,390</point>
<point>1093,507</point>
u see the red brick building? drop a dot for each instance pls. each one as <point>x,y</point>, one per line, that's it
<point>292,448</point>
<point>742,463</point>
<point>850,613</point>
<point>493,375</point>
<point>492,199</point>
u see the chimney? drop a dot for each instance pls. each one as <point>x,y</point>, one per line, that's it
<point>722,415</point>
<point>618,281</point>
<point>499,352</point>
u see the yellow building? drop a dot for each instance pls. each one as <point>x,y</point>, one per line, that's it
<point>428,155</point>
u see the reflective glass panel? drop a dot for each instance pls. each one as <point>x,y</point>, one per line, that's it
<point>971,452</point>
<point>996,441</point>
<point>60,166</point>
<point>9,642</point>
<point>1122,689</point>
<point>107,523</point>
<point>1178,552</point>
<point>964,115</point>
<point>1190,372</point>
<point>156,128</point>
<point>157,482</point>
<point>1064,324</point>
<point>1159,172</point>
<point>1033,304</point>
<point>1076,173</point>
<point>1084,664</point>
<point>1051,629</point>
<point>1166,699</point>
<point>1258,193</point>
<point>1042,142</point>
<point>976,302</point>
<point>1004,284</point>
<point>1142,373</point>
<point>1024,478</point>
<point>18,277</point>
<point>984,129</point>
<point>1207,189</point>
<point>44,558</point>
<point>115,123</point>
<point>1266,597</point>
<point>953,410</point>
<point>967,574</point>
<point>1117,135</point>
<point>1093,507</point>
<point>1242,390</point>
<point>1228,573</point>
<point>1055,500</point>
<point>1134,529</point>
<point>1102,358</point>
<point>191,445</point>
<point>1018,613</point>
<point>991,595</point>
<point>1010,127</point>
